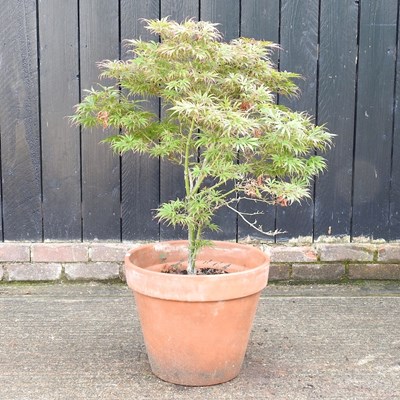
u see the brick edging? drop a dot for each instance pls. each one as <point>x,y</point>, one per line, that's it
<point>318,262</point>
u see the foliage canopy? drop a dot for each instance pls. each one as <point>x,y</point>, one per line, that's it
<point>221,121</point>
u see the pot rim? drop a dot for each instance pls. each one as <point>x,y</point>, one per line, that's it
<point>197,287</point>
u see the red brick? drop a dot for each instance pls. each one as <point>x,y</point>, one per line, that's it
<point>122,274</point>
<point>318,272</point>
<point>109,251</point>
<point>345,252</point>
<point>293,254</point>
<point>374,271</point>
<point>389,253</point>
<point>59,252</point>
<point>279,272</point>
<point>33,272</point>
<point>14,252</point>
<point>96,271</point>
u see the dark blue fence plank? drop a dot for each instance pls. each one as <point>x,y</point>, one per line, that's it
<point>376,77</point>
<point>228,15</point>
<point>140,174</point>
<point>259,20</point>
<point>299,40</point>
<point>336,109</point>
<point>99,34</point>
<point>395,167</point>
<point>171,176</point>
<point>59,92</point>
<point>19,122</point>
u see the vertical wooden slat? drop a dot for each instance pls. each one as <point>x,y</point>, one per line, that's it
<point>171,176</point>
<point>299,40</point>
<point>58,25</point>
<point>374,118</point>
<point>336,109</point>
<point>180,10</point>
<point>140,174</point>
<point>259,20</point>
<point>99,40</point>
<point>19,122</point>
<point>395,167</point>
<point>227,14</point>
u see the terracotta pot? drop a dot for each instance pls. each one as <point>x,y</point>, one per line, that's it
<point>196,328</point>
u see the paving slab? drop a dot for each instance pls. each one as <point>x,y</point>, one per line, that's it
<point>83,341</point>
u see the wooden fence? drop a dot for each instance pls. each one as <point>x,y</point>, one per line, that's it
<point>58,183</point>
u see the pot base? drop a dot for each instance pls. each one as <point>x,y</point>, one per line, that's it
<point>196,344</point>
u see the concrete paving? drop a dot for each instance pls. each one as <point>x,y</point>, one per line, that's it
<point>83,341</point>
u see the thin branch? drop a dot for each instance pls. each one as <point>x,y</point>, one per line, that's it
<point>188,175</point>
<point>252,214</point>
<point>257,200</point>
<point>253,224</point>
<point>269,202</point>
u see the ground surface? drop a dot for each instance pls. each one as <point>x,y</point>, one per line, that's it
<point>83,341</point>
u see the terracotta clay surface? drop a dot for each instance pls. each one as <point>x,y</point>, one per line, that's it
<point>196,327</point>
